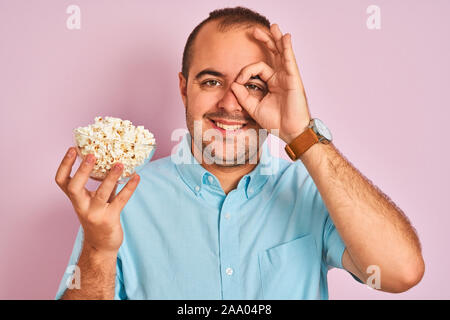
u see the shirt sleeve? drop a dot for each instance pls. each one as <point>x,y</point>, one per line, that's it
<point>119,293</point>
<point>69,273</point>
<point>333,246</point>
<point>70,277</point>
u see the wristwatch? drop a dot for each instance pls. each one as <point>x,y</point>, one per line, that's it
<point>317,131</point>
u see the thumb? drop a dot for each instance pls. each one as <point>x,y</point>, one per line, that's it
<point>245,99</point>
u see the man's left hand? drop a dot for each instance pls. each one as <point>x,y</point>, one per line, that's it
<point>284,107</point>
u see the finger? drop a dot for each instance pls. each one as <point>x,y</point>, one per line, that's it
<point>105,189</point>
<point>125,194</point>
<point>81,176</point>
<point>289,57</point>
<point>113,193</point>
<point>284,44</point>
<point>261,69</point>
<point>246,100</point>
<point>277,35</point>
<point>267,40</point>
<point>62,177</point>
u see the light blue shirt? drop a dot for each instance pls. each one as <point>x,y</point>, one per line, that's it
<point>184,238</point>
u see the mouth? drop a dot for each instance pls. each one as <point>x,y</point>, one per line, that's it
<point>228,127</point>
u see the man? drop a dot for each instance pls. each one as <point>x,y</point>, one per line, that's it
<point>224,219</point>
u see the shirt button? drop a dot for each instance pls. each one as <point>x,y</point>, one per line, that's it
<point>197,188</point>
<point>250,190</point>
<point>227,216</point>
<point>210,179</point>
<point>229,271</point>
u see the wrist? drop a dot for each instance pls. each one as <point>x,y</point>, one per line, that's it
<point>100,256</point>
<point>288,138</point>
<point>311,154</point>
<point>314,157</point>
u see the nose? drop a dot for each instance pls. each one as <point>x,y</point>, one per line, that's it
<point>229,102</point>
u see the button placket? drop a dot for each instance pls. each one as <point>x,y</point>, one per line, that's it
<point>229,248</point>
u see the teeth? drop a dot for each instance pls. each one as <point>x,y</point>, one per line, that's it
<point>226,127</point>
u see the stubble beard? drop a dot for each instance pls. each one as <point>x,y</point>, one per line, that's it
<point>241,153</point>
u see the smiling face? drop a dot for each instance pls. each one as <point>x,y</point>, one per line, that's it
<point>229,136</point>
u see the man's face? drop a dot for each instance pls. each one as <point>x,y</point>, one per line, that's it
<point>211,104</point>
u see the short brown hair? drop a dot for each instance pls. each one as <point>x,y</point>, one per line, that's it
<point>228,18</point>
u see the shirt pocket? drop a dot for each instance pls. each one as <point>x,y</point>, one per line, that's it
<point>291,270</point>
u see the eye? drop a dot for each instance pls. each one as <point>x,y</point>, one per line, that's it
<point>210,81</point>
<point>254,87</point>
<point>215,83</point>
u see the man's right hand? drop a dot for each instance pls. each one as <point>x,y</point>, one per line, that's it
<point>98,211</point>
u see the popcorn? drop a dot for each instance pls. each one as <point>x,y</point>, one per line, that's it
<point>114,140</point>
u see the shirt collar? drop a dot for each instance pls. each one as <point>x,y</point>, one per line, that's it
<point>196,176</point>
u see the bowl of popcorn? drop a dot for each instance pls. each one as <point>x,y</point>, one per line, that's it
<point>113,140</point>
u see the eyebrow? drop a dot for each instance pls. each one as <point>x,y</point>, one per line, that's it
<point>209,71</point>
<point>217,74</point>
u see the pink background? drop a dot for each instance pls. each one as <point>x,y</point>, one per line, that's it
<point>383,93</point>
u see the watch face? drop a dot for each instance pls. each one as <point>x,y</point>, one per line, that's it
<point>322,129</point>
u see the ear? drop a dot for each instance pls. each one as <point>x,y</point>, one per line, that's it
<point>183,88</point>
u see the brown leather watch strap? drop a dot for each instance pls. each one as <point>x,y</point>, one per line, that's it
<point>300,144</point>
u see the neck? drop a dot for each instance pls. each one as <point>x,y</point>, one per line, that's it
<point>228,177</point>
